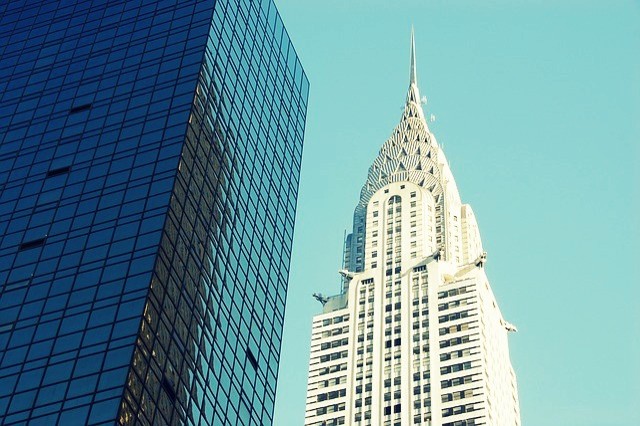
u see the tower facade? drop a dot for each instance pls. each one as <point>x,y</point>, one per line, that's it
<point>416,335</point>
<point>143,144</point>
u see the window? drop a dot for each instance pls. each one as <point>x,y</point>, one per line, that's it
<point>32,244</point>
<point>168,387</point>
<point>58,171</point>
<point>80,108</point>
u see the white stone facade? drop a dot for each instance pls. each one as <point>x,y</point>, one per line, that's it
<point>416,337</point>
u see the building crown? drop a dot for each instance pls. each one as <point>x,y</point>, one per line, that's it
<point>411,154</point>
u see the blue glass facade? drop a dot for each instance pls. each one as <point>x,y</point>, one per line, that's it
<point>149,162</point>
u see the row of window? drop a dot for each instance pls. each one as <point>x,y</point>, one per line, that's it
<point>334,368</point>
<point>459,409</point>
<point>330,409</point>
<point>335,320</point>
<point>331,395</point>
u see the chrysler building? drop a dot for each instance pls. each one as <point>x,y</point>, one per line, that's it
<point>415,337</point>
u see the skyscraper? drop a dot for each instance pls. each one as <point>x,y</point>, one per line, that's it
<point>149,161</point>
<point>415,336</point>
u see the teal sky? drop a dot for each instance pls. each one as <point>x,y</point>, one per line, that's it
<point>537,106</point>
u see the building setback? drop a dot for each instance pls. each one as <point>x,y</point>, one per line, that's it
<point>415,336</point>
<point>149,161</point>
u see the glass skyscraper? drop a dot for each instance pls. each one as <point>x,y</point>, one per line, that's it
<point>149,161</point>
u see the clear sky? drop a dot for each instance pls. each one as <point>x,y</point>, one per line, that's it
<point>537,106</point>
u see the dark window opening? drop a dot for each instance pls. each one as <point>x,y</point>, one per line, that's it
<point>80,108</point>
<point>252,359</point>
<point>167,385</point>
<point>59,171</point>
<point>32,244</point>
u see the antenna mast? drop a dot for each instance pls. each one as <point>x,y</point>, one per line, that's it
<point>344,266</point>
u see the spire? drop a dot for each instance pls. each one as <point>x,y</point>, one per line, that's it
<point>413,77</point>
<point>413,106</point>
